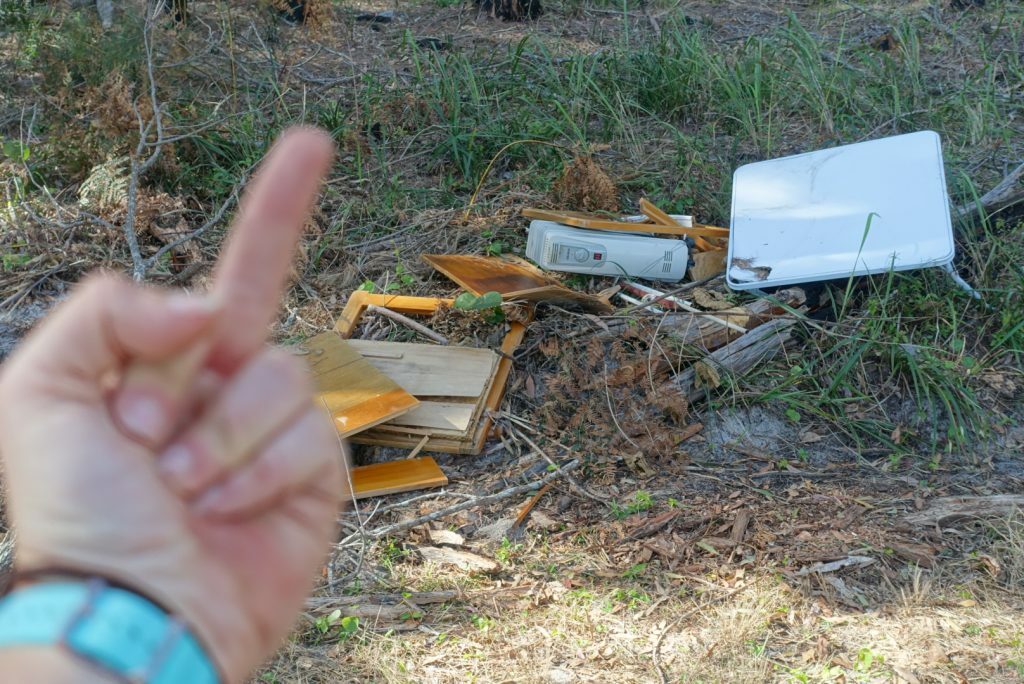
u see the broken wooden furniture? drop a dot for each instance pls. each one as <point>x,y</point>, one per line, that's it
<point>355,394</point>
<point>456,387</point>
<point>514,279</point>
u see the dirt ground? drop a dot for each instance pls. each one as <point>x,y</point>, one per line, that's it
<point>784,526</point>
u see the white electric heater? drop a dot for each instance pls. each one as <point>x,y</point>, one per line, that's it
<point>853,210</point>
<point>596,252</point>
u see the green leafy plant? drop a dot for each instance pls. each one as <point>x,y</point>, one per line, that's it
<point>507,550</point>
<point>467,301</point>
<point>642,501</point>
<point>347,625</point>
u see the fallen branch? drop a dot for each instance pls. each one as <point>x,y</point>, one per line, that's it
<point>417,598</point>
<point>1008,192</point>
<point>738,356</point>
<point>947,510</point>
<point>696,329</point>
<point>474,503</point>
<point>848,562</point>
<point>408,322</point>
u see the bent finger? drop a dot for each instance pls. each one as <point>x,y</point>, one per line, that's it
<point>154,398</point>
<point>105,323</point>
<point>305,456</point>
<point>257,403</point>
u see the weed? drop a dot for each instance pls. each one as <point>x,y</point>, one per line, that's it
<point>347,625</point>
<point>642,501</point>
<point>392,553</point>
<point>482,622</point>
<point>507,550</point>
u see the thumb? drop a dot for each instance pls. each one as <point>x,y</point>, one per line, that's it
<point>105,324</point>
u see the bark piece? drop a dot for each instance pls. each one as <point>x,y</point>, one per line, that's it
<point>947,510</point>
<point>464,560</point>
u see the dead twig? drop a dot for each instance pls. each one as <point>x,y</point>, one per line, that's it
<point>1005,194</point>
<point>408,322</point>
<point>739,356</point>
<point>474,503</point>
<point>573,483</point>
<point>848,562</point>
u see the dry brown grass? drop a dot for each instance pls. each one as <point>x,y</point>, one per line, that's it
<point>584,186</point>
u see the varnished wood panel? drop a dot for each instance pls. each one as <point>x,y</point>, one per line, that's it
<point>426,370</point>
<point>393,477</point>
<point>514,279</point>
<point>353,392</point>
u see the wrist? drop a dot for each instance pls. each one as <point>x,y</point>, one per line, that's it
<point>48,664</point>
<point>118,633</point>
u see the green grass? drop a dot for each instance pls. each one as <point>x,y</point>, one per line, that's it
<point>676,113</point>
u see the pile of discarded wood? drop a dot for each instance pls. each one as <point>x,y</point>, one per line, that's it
<point>431,396</point>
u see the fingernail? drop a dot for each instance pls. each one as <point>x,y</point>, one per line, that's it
<point>190,305</point>
<point>142,415</point>
<point>209,501</point>
<point>176,465</point>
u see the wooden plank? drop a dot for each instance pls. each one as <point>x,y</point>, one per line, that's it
<point>438,414</point>
<point>479,274</point>
<point>353,392</point>
<point>659,226</point>
<point>387,439</point>
<point>517,331</point>
<point>326,352</point>
<point>661,217</point>
<point>514,279</point>
<point>426,370</point>
<point>394,477</point>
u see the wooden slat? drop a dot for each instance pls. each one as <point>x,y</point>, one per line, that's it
<point>438,414</point>
<point>426,370</point>
<point>479,274</point>
<point>353,392</point>
<point>660,216</point>
<point>394,477</point>
<point>660,226</point>
<point>514,279</point>
<point>387,439</point>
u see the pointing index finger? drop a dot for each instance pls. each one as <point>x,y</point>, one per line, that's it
<point>251,274</point>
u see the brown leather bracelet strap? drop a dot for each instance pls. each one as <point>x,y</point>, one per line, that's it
<point>45,573</point>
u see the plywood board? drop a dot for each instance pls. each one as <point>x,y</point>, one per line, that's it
<point>394,477</point>
<point>438,414</point>
<point>479,274</point>
<point>353,392</point>
<point>514,279</point>
<point>426,370</point>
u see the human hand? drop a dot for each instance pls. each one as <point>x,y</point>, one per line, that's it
<point>151,437</point>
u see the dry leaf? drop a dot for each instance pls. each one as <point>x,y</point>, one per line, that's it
<point>711,299</point>
<point>707,376</point>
